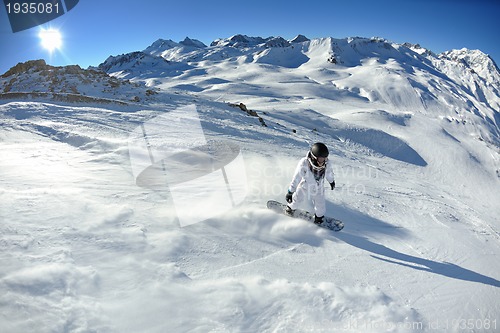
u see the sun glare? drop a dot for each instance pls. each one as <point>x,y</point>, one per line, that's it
<point>50,39</point>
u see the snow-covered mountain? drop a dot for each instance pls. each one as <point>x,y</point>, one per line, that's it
<point>141,65</point>
<point>70,83</point>
<point>461,85</point>
<point>88,246</point>
<point>243,41</point>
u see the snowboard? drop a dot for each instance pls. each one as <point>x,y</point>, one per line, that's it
<point>329,223</point>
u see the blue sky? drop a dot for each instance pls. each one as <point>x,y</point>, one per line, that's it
<point>95,29</point>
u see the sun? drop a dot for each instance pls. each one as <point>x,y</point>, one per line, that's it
<point>50,39</point>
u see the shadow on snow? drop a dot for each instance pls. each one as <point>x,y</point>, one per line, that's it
<point>362,225</point>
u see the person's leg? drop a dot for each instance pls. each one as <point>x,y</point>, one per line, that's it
<point>297,197</point>
<point>319,204</point>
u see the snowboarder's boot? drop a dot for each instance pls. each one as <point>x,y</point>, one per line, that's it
<point>318,219</point>
<point>289,211</point>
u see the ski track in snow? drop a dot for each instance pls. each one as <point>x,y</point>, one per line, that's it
<point>84,249</point>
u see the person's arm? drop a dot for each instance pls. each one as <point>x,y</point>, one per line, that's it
<point>329,175</point>
<point>300,172</point>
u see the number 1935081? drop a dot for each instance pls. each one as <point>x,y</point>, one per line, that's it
<point>32,8</point>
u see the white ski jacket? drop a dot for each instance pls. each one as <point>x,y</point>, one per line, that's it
<point>304,177</point>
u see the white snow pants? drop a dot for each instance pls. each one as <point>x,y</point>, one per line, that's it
<point>313,192</point>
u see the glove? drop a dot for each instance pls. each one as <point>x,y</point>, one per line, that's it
<point>332,184</point>
<point>289,197</point>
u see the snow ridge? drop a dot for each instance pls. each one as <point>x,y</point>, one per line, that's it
<point>72,82</point>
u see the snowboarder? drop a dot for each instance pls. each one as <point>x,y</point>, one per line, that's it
<point>308,181</point>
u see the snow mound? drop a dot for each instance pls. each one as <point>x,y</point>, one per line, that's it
<point>54,295</point>
<point>254,304</point>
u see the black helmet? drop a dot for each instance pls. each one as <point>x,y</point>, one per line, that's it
<point>319,150</point>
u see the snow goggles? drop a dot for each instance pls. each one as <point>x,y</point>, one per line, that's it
<point>314,162</point>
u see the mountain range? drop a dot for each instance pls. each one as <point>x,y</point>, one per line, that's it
<point>462,82</point>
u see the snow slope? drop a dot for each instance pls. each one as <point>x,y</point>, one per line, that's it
<point>414,142</point>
